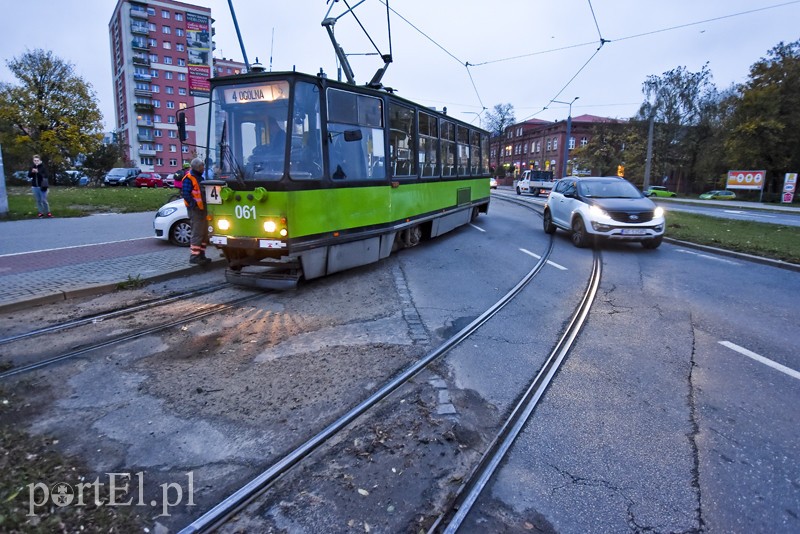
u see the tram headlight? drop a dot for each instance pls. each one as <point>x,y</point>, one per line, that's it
<point>223,224</point>
<point>270,226</point>
<point>284,232</point>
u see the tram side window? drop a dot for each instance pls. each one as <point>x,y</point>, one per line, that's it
<point>484,154</point>
<point>355,159</point>
<point>305,161</point>
<point>428,145</point>
<point>462,145</point>
<point>402,145</point>
<point>448,149</point>
<point>475,153</point>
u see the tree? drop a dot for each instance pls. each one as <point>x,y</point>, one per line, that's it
<point>605,150</point>
<point>764,128</point>
<point>105,157</point>
<point>51,112</point>
<point>497,122</point>
<point>682,104</point>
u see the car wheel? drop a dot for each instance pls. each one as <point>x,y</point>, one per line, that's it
<point>652,243</point>
<point>518,191</point>
<point>673,195</point>
<point>536,192</point>
<point>181,233</point>
<point>579,236</point>
<point>547,223</point>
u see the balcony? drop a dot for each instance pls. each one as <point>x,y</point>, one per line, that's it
<point>144,138</point>
<point>147,123</point>
<point>141,60</point>
<point>138,13</point>
<point>140,44</point>
<point>141,106</point>
<point>143,92</point>
<point>146,151</point>
<point>140,29</point>
<point>141,77</point>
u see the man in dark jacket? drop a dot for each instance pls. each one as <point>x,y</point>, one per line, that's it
<point>39,184</point>
<point>193,198</point>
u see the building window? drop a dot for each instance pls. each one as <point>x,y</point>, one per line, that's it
<point>555,143</point>
<point>182,76</point>
<point>182,91</point>
<point>525,148</point>
<point>159,161</point>
<point>155,88</point>
<point>584,141</point>
<point>157,133</point>
<point>179,32</point>
<point>181,105</point>
<point>171,90</point>
<point>549,144</point>
<point>151,12</point>
<point>166,45</point>
<point>171,119</point>
<point>166,30</point>
<point>152,43</point>
<point>156,118</point>
<point>181,62</point>
<point>153,73</point>
<point>167,60</point>
<point>172,134</point>
<point>178,17</point>
<point>184,149</point>
<point>153,58</point>
<point>168,75</point>
<point>172,148</point>
<point>164,14</point>
<point>170,104</point>
<point>571,143</point>
<point>179,47</point>
<point>173,163</point>
<point>151,26</point>
<point>159,147</point>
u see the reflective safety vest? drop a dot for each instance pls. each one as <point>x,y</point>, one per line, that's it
<point>197,194</point>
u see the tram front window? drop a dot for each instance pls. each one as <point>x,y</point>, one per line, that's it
<point>251,129</point>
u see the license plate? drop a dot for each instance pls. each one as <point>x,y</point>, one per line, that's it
<point>212,194</point>
<point>219,240</point>
<point>271,243</point>
<point>634,231</point>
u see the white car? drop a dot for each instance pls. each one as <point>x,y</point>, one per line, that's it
<point>172,223</point>
<point>605,207</point>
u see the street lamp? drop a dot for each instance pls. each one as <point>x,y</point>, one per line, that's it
<point>475,113</point>
<point>569,128</point>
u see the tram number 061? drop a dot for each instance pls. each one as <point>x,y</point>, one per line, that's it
<point>245,212</point>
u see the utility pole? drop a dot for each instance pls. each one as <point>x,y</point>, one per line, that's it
<point>648,161</point>
<point>569,131</point>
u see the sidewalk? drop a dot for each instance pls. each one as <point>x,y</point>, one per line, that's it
<point>74,270</point>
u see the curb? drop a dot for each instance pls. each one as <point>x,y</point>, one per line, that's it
<point>780,264</point>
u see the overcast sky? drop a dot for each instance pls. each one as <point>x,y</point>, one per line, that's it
<point>523,52</point>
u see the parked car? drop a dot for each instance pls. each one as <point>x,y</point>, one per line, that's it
<point>172,223</point>
<point>723,194</point>
<point>19,178</point>
<point>149,179</point>
<point>658,191</point>
<point>121,176</point>
<point>70,178</point>
<point>492,183</point>
<point>603,207</point>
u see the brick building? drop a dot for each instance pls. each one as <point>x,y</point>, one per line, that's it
<point>539,145</point>
<point>161,54</point>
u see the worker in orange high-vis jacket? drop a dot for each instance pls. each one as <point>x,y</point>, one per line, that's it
<point>193,198</point>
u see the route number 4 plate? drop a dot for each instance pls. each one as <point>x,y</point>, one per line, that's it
<point>212,194</point>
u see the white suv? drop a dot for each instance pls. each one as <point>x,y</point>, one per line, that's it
<point>603,207</point>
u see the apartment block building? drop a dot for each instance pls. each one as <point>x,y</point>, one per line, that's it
<point>161,53</point>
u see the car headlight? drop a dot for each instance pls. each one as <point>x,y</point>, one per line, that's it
<point>594,211</point>
<point>659,212</point>
<point>166,212</point>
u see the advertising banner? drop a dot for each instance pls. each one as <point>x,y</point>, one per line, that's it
<point>789,187</point>
<point>753,180</point>
<point>198,48</point>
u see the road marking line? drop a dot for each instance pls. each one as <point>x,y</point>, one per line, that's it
<point>557,266</point>
<point>757,357</point>
<point>74,246</point>
<point>708,256</point>
<point>477,227</point>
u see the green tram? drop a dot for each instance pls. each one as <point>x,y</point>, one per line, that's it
<point>313,176</point>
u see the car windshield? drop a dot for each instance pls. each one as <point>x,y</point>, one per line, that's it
<point>612,188</point>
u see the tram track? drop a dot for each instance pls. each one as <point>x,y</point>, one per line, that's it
<point>112,314</point>
<point>236,502</point>
<point>125,337</point>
